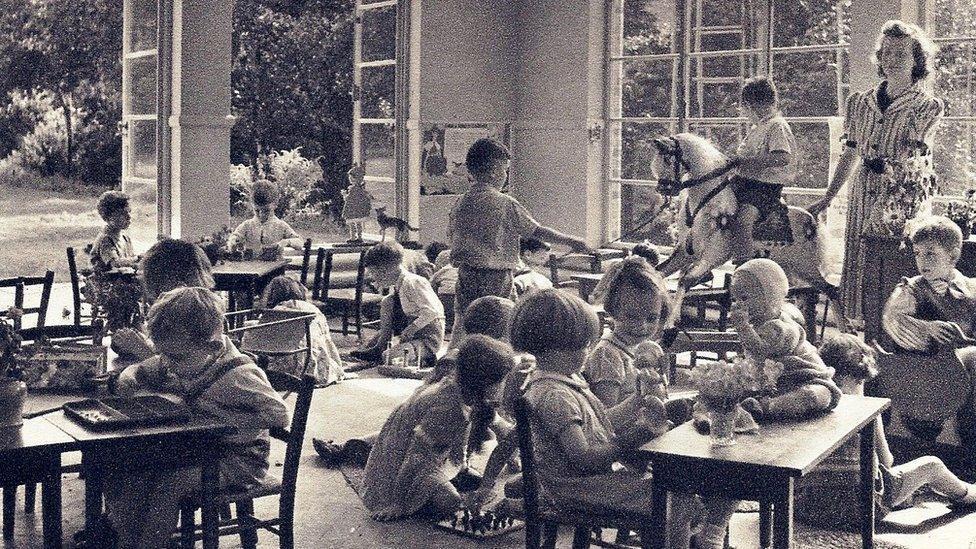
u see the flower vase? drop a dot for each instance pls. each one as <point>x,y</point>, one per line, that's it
<point>722,428</point>
<point>13,395</point>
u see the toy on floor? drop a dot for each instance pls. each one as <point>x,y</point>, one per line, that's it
<point>405,364</point>
<point>480,525</point>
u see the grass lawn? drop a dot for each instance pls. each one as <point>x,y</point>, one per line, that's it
<point>37,225</point>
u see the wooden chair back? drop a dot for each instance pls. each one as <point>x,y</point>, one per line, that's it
<point>22,285</point>
<point>278,333</point>
<point>530,479</point>
<point>294,436</point>
<point>306,264</point>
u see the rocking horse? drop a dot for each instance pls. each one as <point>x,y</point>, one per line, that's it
<point>691,168</point>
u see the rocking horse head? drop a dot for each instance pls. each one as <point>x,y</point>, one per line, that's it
<point>681,159</point>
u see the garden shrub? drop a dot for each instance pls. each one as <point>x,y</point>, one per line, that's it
<point>240,190</point>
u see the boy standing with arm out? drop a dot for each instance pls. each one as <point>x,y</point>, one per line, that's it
<point>484,231</point>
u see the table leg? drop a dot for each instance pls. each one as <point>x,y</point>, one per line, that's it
<point>783,517</point>
<point>765,524</point>
<point>208,495</point>
<point>9,509</point>
<point>659,513</point>
<point>867,485</point>
<point>93,490</point>
<point>51,504</point>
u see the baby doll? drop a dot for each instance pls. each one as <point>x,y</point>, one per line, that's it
<point>770,328</point>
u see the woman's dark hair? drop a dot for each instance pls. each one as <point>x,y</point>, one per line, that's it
<point>483,154</point>
<point>482,362</point>
<point>923,49</point>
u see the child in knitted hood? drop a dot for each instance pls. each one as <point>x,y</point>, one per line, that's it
<point>772,329</point>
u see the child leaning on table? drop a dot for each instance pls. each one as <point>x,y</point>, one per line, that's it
<point>578,439</point>
<point>202,366</point>
<point>772,329</point>
<point>112,248</point>
<point>264,232</point>
<point>829,495</point>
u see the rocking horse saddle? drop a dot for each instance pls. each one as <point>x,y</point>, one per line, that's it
<point>774,226</point>
<point>930,386</point>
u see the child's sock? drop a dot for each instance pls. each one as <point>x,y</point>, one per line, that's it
<point>711,536</point>
<point>970,496</point>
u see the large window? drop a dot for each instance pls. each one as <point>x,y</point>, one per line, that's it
<point>141,127</point>
<point>954,29</point>
<point>374,105</point>
<point>678,65</point>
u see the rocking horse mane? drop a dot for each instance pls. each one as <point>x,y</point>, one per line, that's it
<point>700,153</point>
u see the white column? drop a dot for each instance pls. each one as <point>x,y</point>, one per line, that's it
<point>200,119</point>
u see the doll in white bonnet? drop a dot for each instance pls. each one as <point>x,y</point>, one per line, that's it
<point>770,328</point>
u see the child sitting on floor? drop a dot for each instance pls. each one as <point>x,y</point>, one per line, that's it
<point>533,254</point>
<point>287,294</point>
<point>770,328</point>
<point>578,439</point>
<point>423,444</point>
<point>201,365</point>
<point>167,265</point>
<point>264,235</point>
<point>112,248</point>
<point>935,308</point>
<point>635,296</point>
<point>828,497</point>
<point>412,311</point>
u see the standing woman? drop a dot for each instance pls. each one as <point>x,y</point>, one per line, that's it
<point>884,127</point>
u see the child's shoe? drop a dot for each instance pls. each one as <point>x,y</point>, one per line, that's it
<point>355,452</point>
<point>372,355</point>
<point>330,452</point>
<point>101,535</point>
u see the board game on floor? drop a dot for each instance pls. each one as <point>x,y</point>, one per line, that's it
<point>482,525</point>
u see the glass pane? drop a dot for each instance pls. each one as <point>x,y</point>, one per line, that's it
<point>142,200</point>
<point>142,149</point>
<point>143,25</point>
<point>957,77</point>
<point>955,18</point>
<point>812,156</point>
<point>642,216</point>
<point>377,149</point>
<point>379,34</point>
<point>807,83</point>
<point>712,100</point>
<point>647,88</point>
<point>722,41</point>
<point>649,27</point>
<point>738,66</point>
<point>809,23</point>
<point>142,85</point>
<point>721,12</point>
<point>724,136</point>
<point>379,84</point>
<point>955,148</point>
<point>637,148</point>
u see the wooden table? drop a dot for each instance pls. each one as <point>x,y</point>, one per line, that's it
<point>195,442</point>
<point>246,277</point>
<point>32,453</point>
<point>763,467</point>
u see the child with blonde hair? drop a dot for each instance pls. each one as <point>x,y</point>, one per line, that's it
<point>829,496</point>
<point>264,235</point>
<point>577,438</point>
<point>772,329</point>
<point>204,368</point>
<point>636,298</point>
<point>287,294</point>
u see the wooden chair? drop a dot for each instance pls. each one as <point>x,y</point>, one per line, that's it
<point>541,521</point>
<point>244,523</point>
<point>305,265</point>
<point>23,284</point>
<point>278,334</point>
<point>338,292</point>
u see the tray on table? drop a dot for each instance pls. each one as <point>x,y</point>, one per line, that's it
<point>121,412</point>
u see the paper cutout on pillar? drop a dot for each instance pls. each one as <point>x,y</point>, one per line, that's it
<point>443,169</point>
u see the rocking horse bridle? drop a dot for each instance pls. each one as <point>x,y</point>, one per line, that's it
<point>671,147</point>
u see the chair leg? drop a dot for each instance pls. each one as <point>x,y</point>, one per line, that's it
<point>187,525</point>
<point>286,512</point>
<point>645,538</point>
<point>9,506</point>
<point>225,513</point>
<point>30,497</point>
<point>549,536</point>
<point>245,519</point>
<point>533,535</point>
<point>581,537</point>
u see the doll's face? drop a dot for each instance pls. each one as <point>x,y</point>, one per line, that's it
<point>748,293</point>
<point>638,312</point>
<point>934,262</point>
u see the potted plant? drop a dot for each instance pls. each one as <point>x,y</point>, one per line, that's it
<point>215,245</point>
<point>13,391</point>
<point>963,212</point>
<point>723,384</point>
